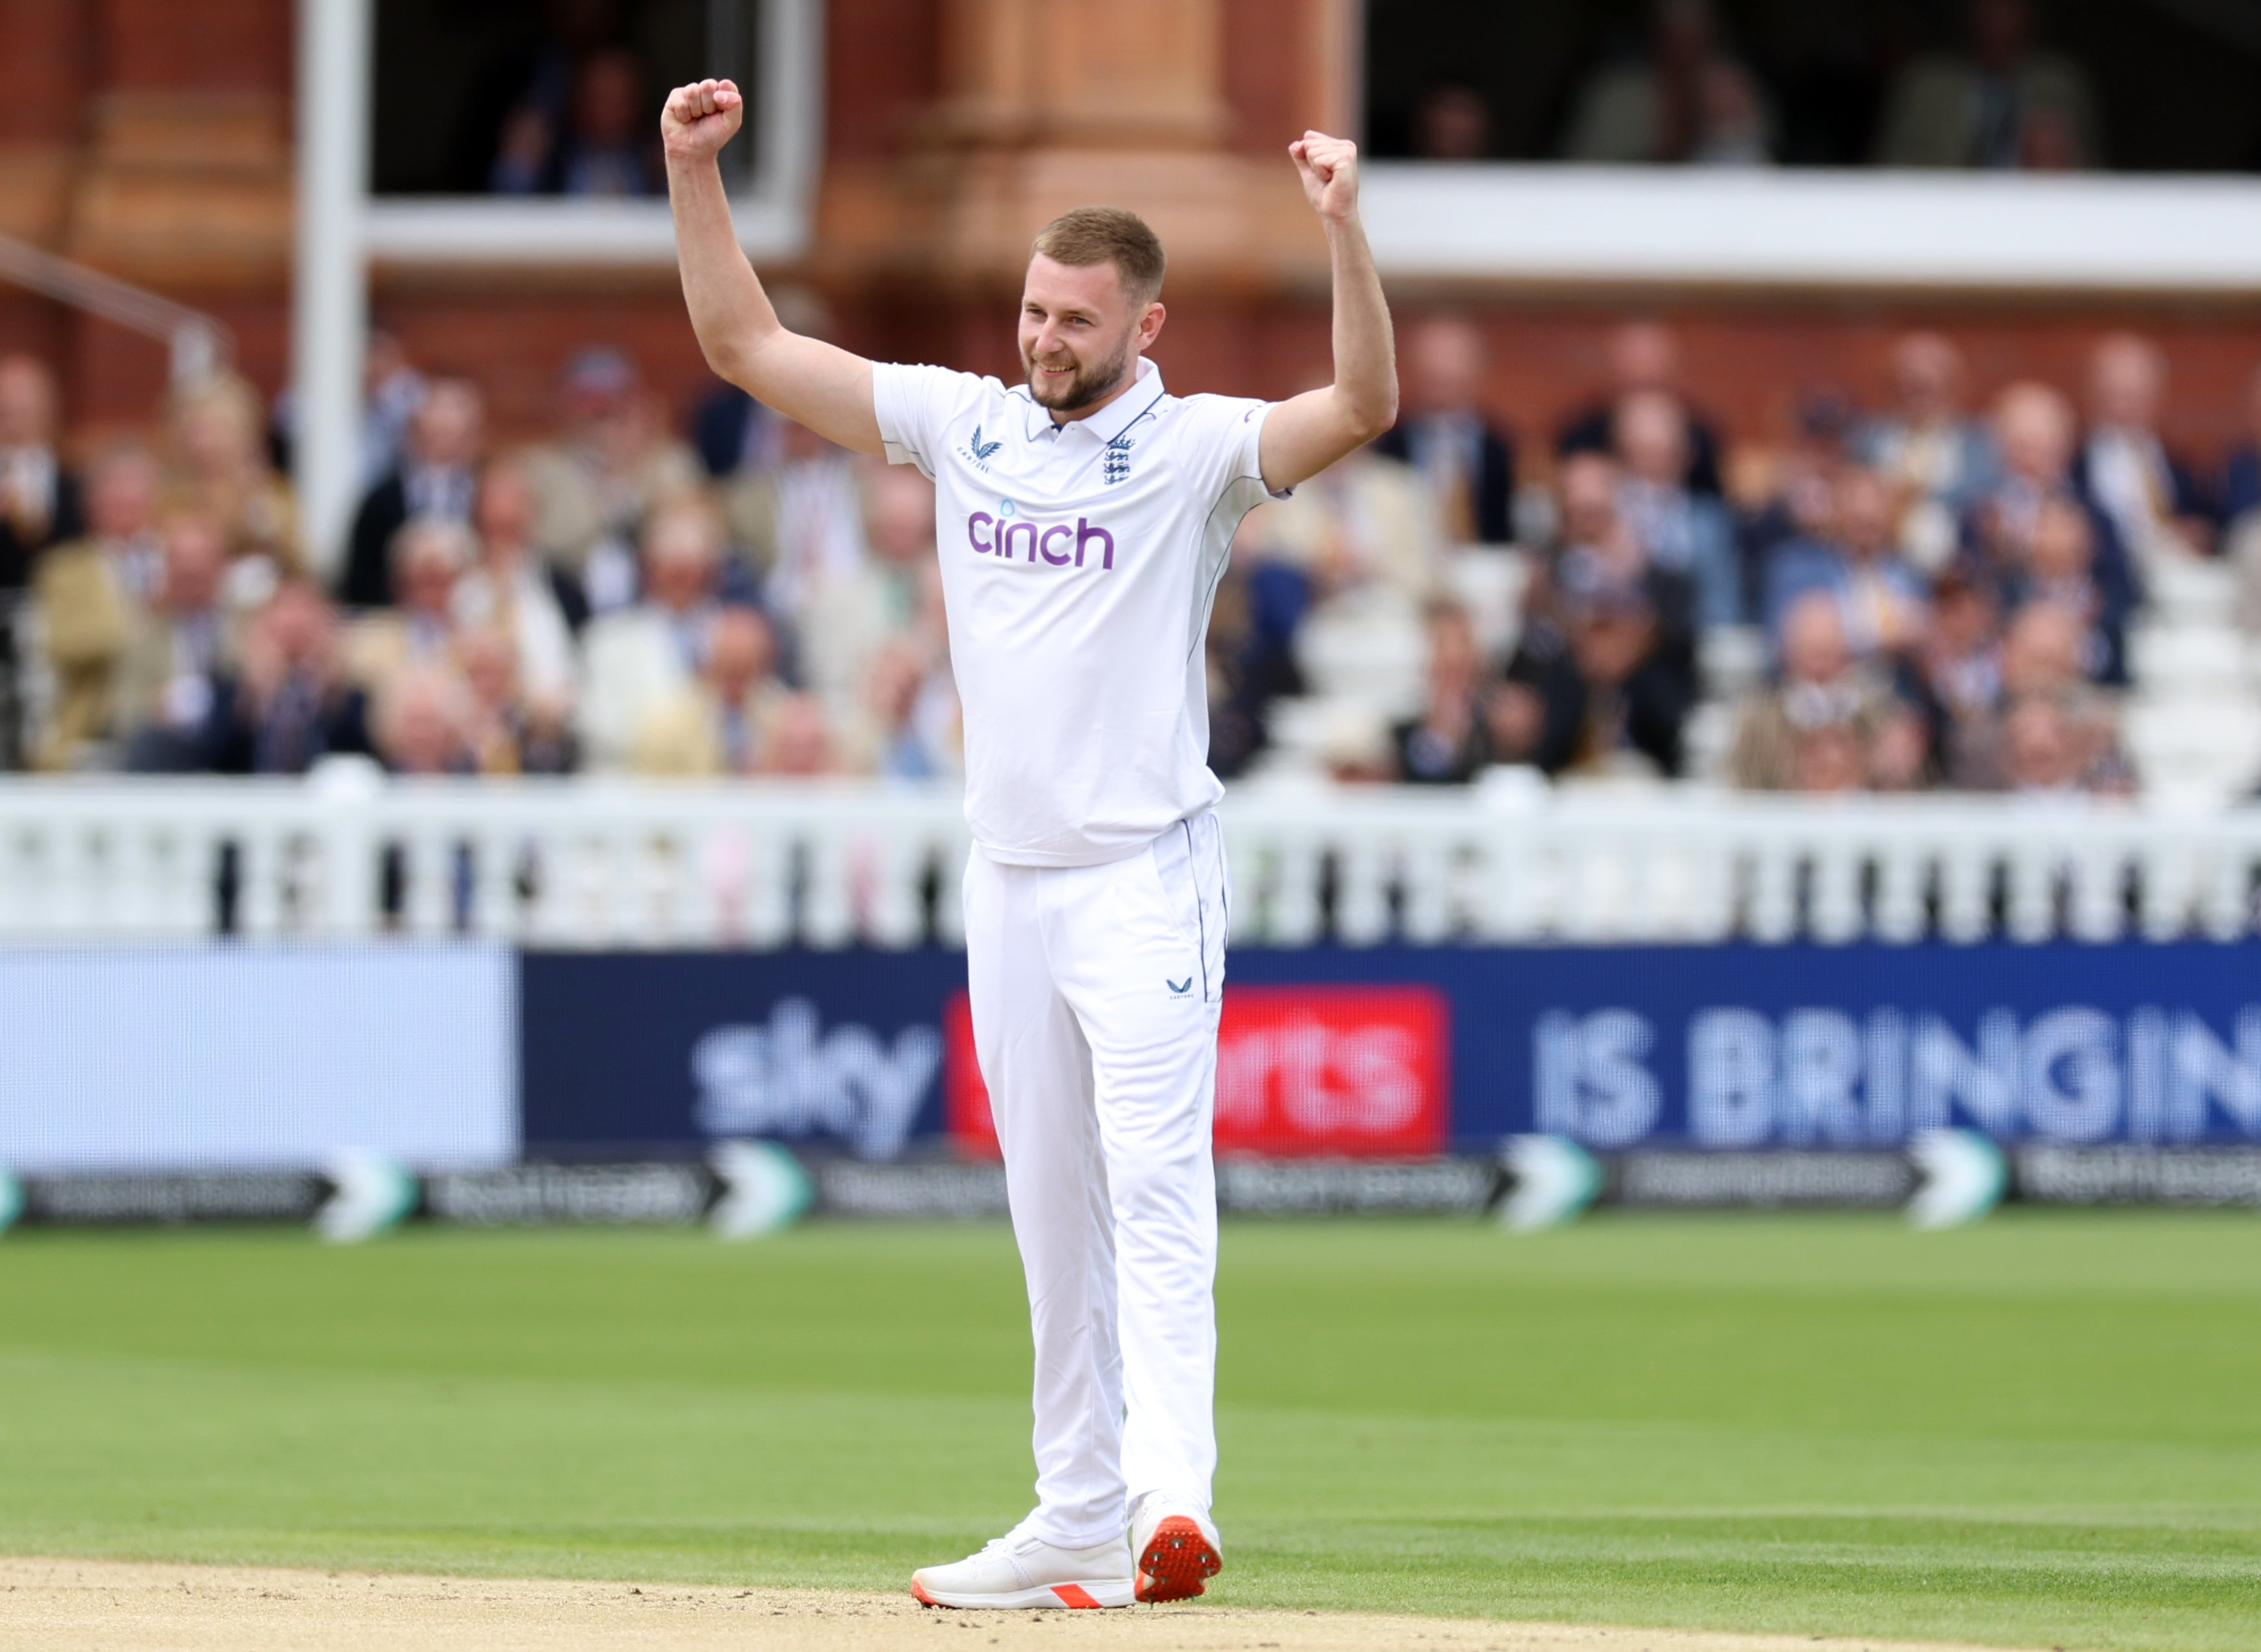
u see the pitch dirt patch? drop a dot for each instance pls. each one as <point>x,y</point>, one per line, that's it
<point>81,1605</point>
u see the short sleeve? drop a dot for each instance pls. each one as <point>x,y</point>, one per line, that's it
<point>912,405</point>
<point>1227,434</point>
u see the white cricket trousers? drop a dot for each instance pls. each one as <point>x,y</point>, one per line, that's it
<point>1095,993</point>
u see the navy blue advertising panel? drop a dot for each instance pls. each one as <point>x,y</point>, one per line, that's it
<point>1731,1047</point>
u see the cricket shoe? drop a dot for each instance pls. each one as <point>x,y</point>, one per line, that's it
<point>1177,1546</point>
<point>1021,1571</point>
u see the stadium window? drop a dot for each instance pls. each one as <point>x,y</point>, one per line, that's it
<point>525,128</point>
<point>2159,86</point>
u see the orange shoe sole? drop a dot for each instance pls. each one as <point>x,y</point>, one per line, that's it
<point>1178,1561</point>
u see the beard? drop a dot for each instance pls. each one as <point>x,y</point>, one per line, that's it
<point>1086,385</point>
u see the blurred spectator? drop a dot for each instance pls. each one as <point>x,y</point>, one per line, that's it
<point>1685,99</point>
<point>599,144</point>
<point>637,660</point>
<point>392,391</point>
<point>422,722</point>
<point>609,467</point>
<point>511,588</point>
<point>1589,691</point>
<point>801,745</point>
<point>1448,744</point>
<point>1343,568</point>
<point>718,721</point>
<point>1596,549</point>
<point>1444,434</point>
<point>220,466</point>
<point>291,705</point>
<point>2060,570</point>
<point>1644,355</point>
<point>810,537</point>
<point>1790,491</point>
<point>1831,758</point>
<point>1957,673</point>
<point>1453,123</point>
<point>436,477</point>
<point>428,556</point>
<point>1879,596</point>
<point>1941,459</point>
<point>2033,431</point>
<point>2241,473</point>
<point>2003,102</point>
<point>1821,685</point>
<point>2153,500</point>
<point>909,726</point>
<point>179,659</point>
<point>40,502</point>
<point>508,732</point>
<point>894,593</point>
<point>93,593</point>
<point>1680,531</point>
<point>2041,659</point>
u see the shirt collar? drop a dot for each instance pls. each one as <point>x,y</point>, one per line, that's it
<point>1114,419</point>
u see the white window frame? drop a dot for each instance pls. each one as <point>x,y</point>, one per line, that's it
<point>1568,224</point>
<point>772,210</point>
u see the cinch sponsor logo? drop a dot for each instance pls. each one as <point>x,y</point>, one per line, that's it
<point>1302,1072</point>
<point>1061,544</point>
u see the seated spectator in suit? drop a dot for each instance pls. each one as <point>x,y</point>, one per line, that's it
<point>1939,458</point>
<point>802,743</point>
<point>2042,658</point>
<point>2059,569</point>
<point>1956,676</point>
<point>39,501</point>
<point>2005,101</point>
<point>179,657</point>
<point>1446,435</point>
<point>2153,500</point>
<point>428,556</point>
<point>220,466</point>
<point>289,705</point>
<point>1678,530</point>
<point>437,478</point>
<point>636,660</point>
<point>1589,691</point>
<point>1685,99</point>
<point>422,722</point>
<point>513,588</point>
<point>1821,684</point>
<point>603,147</point>
<point>1595,549</point>
<point>2034,432</point>
<point>1880,597</point>
<point>611,465</point>
<point>93,593</point>
<point>1645,355</point>
<point>894,593</point>
<point>718,721</point>
<point>509,732</point>
<point>1447,744</point>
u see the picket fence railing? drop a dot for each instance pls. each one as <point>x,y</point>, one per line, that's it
<point>593,863</point>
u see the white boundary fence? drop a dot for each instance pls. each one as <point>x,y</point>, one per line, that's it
<point>617,864</point>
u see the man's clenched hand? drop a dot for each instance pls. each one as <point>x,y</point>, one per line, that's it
<point>1328,169</point>
<point>699,118</point>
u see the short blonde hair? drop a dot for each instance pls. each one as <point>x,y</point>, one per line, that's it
<point>1086,235</point>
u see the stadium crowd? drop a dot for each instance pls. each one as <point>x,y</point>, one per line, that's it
<point>1944,590</point>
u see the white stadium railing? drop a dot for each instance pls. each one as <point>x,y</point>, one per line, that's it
<point>591,863</point>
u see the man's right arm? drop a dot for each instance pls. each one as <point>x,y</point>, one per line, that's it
<point>808,381</point>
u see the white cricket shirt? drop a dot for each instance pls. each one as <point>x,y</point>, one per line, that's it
<point>1079,562</point>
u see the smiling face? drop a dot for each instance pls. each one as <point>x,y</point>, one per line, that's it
<point>1081,333</point>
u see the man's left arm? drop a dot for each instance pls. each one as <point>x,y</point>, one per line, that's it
<point>1306,434</point>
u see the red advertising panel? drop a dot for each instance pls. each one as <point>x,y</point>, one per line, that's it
<point>1302,1072</point>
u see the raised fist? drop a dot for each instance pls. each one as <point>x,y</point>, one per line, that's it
<point>699,118</point>
<point>1329,170</point>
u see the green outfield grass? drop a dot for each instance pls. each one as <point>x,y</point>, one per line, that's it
<point>2045,1431</point>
